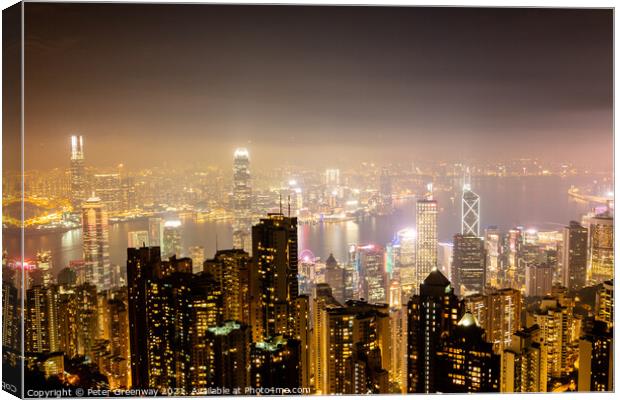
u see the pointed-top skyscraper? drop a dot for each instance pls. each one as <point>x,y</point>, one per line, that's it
<point>78,175</point>
<point>470,209</point>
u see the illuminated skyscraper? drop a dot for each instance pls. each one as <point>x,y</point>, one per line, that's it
<point>11,317</point>
<point>275,363</point>
<point>230,268</point>
<point>602,247</point>
<point>426,244</point>
<point>275,288</point>
<point>538,280</point>
<point>470,212</point>
<point>492,240</point>
<point>78,175</point>
<point>197,254</point>
<point>468,264</point>
<point>227,358</point>
<point>431,316</point>
<point>596,359</point>
<point>556,326</point>
<point>406,240</point>
<point>44,265</point>
<point>96,248</point>
<point>524,363</point>
<point>467,363</point>
<point>137,239</point>
<point>605,303</point>
<point>41,314</point>
<point>322,302</point>
<point>164,298</point>
<point>353,342</point>
<point>171,245</point>
<point>373,280</point>
<point>574,258</point>
<point>242,200</point>
<point>498,311</point>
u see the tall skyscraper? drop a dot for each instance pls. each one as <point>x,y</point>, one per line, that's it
<point>373,280</point>
<point>405,259</point>
<point>231,269</point>
<point>467,363</point>
<point>605,303</point>
<point>431,316</point>
<point>171,245</point>
<point>574,258</point>
<point>227,358</point>
<point>470,212</point>
<point>96,247</point>
<point>426,244</point>
<point>524,363</point>
<point>275,288</point>
<point>165,302</point>
<point>197,254</point>
<point>498,311</point>
<point>468,264</point>
<point>596,359</point>
<point>41,314</point>
<point>602,247</point>
<point>141,265</point>
<point>556,331</point>
<point>275,363</point>
<point>78,174</point>
<point>242,200</point>
<point>352,344</point>
<point>538,280</point>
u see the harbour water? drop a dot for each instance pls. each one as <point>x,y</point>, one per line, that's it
<point>532,202</point>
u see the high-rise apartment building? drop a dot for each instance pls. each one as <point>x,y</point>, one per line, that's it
<point>230,268</point>
<point>431,315</point>
<point>275,287</point>
<point>574,257</point>
<point>498,311</point>
<point>596,359</point>
<point>466,361</point>
<point>524,363</point>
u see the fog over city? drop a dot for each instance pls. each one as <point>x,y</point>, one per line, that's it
<point>149,84</point>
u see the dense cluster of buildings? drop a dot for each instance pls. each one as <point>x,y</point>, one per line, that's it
<point>492,312</point>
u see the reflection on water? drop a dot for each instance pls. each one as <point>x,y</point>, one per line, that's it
<point>506,202</point>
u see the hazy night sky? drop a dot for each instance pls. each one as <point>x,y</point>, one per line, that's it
<point>151,83</point>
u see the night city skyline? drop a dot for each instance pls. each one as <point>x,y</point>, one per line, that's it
<point>307,200</point>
